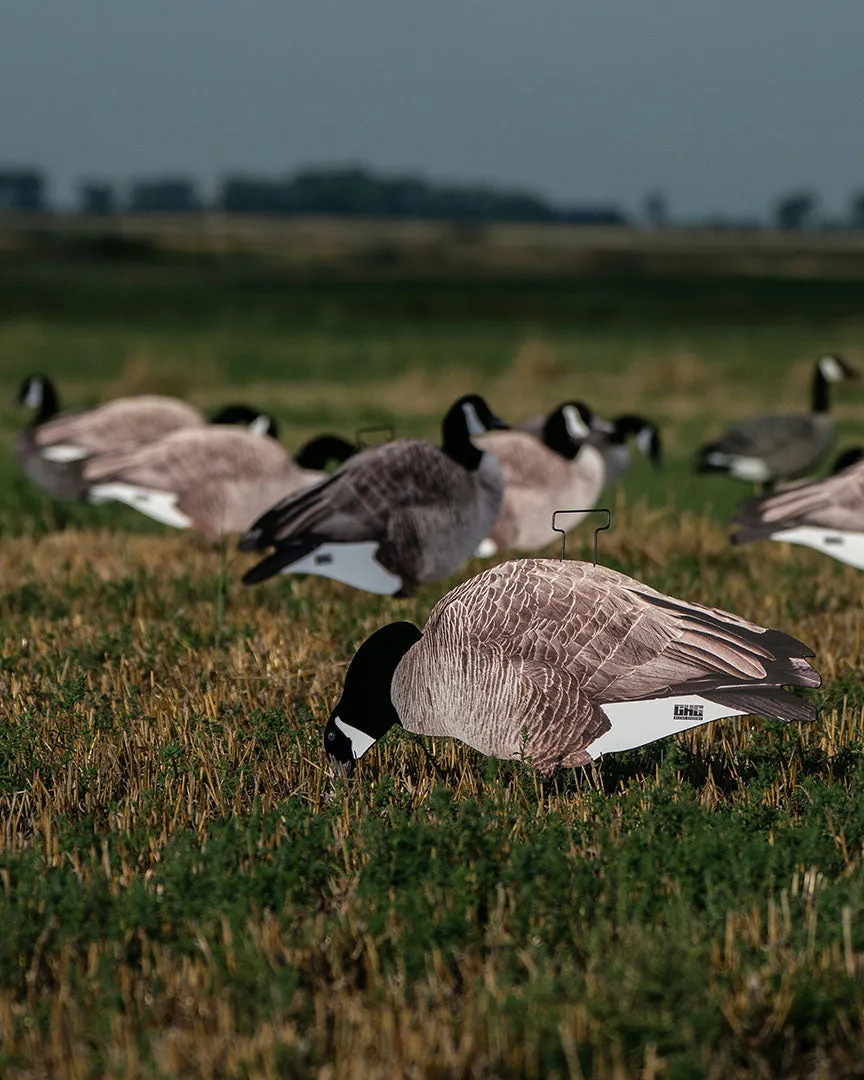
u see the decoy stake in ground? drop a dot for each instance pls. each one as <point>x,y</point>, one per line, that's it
<point>558,662</point>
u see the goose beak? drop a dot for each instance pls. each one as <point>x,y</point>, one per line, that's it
<point>340,769</point>
<point>494,423</point>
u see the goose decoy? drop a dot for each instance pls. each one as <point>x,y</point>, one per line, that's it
<point>321,451</point>
<point>558,662</point>
<point>393,516</point>
<point>52,448</point>
<point>845,458</point>
<point>826,514</point>
<point>614,445</point>
<point>215,480</point>
<point>771,449</point>
<point>541,475</point>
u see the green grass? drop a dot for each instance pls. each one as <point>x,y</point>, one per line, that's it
<point>180,893</point>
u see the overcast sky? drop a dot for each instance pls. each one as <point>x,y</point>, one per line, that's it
<point>720,103</point>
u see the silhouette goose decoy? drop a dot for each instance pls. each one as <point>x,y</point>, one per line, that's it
<point>826,514</point>
<point>774,448</point>
<point>215,479</point>
<point>614,445</point>
<point>541,475</point>
<point>393,516</point>
<point>52,448</point>
<point>559,662</point>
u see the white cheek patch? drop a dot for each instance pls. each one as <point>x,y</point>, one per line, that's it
<point>260,425</point>
<point>831,369</point>
<point>33,399</point>
<point>486,549</point>
<point>645,440</point>
<point>472,420</point>
<point>577,429</point>
<point>360,741</point>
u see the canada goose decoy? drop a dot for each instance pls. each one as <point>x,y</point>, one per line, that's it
<point>52,448</point>
<point>845,458</point>
<point>786,446</point>
<point>614,446</point>
<point>321,451</point>
<point>557,471</point>
<point>827,515</point>
<point>214,479</point>
<point>558,662</point>
<point>393,516</point>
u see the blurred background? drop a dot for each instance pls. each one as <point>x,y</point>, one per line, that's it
<point>353,213</point>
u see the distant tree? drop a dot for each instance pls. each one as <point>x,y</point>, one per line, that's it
<point>856,210</point>
<point>655,207</point>
<point>97,197</point>
<point>164,195</point>
<point>795,210</point>
<point>22,189</point>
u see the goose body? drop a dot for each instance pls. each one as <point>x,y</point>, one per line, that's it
<point>827,515</point>
<point>52,449</point>
<point>786,446</point>
<point>558,662</point>
<point>557,471</point>
<point>215,479</point>
<point>392,516</point>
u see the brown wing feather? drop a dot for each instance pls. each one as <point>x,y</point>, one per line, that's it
<point>837,502</point>
<point>120,425</point>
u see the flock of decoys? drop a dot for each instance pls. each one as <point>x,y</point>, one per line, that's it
<point>548,660</point>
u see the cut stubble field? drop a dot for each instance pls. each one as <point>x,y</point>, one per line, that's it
<point>182,892</point>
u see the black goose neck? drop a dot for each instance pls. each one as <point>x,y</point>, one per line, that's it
<point>456,442</point>
<point>821,396</point>
<point>49,406</point>
<point>558,438</point>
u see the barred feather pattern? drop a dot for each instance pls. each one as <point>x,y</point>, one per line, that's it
<point>517,661</point>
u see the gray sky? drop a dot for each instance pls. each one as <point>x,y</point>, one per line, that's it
<point>721,103</point>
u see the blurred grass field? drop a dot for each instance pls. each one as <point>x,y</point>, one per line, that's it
<point>178,894</point>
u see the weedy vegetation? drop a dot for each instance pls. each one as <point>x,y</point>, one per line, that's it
<point>182,893</point>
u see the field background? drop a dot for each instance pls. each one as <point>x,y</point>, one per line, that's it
<point>179,895</point>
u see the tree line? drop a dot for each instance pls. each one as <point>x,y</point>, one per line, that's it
<point>360,192</point>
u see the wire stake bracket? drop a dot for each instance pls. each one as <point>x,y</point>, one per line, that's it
<point>385,429</point>
<point>597,531</point>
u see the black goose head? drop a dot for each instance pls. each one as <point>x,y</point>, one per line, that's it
<point>852,456</point>
<point>568,428</point>
<point>365,711</point>
<point>258,422</point>
<point>320,451</point>
<point>645,433</point>
<point>467,417</point>
<point>830,368</point>
<point>37,392</point>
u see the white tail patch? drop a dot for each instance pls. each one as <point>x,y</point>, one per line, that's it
<point>747,468</point>
<point>635,723</point>
<point>352,564</point>
<point>845,547</point>
<point>486,549</point>
<point>159,505</point>
<point>63,453</point>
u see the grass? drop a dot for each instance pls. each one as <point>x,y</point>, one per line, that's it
<point>180,891</point>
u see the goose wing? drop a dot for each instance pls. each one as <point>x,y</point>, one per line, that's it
<point>118,425</point>
<point>191,458</point>
<point>837,502</point>
<point>525,461</point>
<point>355,502</point>
<point>765,435</point>
<point>617,638</point>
